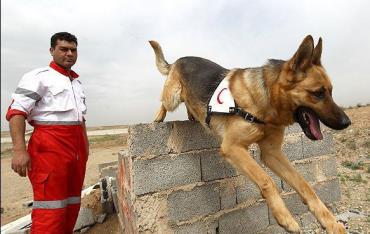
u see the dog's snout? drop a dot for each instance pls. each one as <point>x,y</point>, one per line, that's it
<point>345,122</point>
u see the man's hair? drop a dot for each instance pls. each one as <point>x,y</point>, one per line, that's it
<point>63,36</point>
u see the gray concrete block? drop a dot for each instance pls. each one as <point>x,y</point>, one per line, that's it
<point>247,220</point>
<point>328,167</point>
<point>85,218</point>
<point>273,229</point>
<point>227,196</point>
<point>202,200</point>
<point>165,172</point>
<point>317,148</point>
<point>295,204</point>
<point>214,166</point>
<point>149,139</point>
<point>247,190</point>
<point>307,219</point>
<point>292,147</point>
<point>110,171</point>
<point>101,218</point>
<point>307,170</point>
<point>197,227</point>
<point>328,191</point>
<point>187,135</point>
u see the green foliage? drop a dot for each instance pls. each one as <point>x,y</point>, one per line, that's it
<point>353,165</point>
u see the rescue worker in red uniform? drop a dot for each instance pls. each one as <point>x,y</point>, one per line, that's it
<point>53,102</point>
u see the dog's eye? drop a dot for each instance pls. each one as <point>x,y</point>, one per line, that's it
<point>319,94</point>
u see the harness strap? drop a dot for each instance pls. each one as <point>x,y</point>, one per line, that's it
<point>237,111</point>
<point>246,115</point>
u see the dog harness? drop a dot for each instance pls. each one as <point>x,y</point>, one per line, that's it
<point>222,102</point>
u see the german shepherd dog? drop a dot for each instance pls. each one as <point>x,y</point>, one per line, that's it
<point>278,94</point>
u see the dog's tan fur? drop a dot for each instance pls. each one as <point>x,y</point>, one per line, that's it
<point>271,94</point>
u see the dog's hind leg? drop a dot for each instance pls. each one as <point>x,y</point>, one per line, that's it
<point>236,153</point>
<point>170,96</point>
<point>275,159</point>
<point>190,116</point>
<point>161,114</point>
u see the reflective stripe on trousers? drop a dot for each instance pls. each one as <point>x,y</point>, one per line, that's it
<point>56,204</point>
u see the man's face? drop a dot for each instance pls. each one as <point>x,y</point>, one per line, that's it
<point>64,54</point>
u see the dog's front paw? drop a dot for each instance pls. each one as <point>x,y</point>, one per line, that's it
<point>289,224</point>
<point>335,228</point>
<point>293,227</point>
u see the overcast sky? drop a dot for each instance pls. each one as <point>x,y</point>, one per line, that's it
<point>116,63</point>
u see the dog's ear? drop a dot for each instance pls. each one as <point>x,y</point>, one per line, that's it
<point>302,59</point>
<point>316,57</point>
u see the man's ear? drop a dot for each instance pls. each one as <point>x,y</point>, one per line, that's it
<point>51,50</point>
<point>302,59</point>
<point>316,57</point>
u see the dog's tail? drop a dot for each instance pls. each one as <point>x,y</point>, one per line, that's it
<point>162,65</point>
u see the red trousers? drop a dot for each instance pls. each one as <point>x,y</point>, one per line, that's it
<point>58,163</point>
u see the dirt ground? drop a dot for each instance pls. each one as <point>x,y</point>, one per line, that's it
<point>352,147</point>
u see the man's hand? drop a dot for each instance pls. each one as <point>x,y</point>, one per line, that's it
<point>21,159</point>
<point>21,162</point>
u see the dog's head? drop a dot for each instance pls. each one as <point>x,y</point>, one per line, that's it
<point>310,91</point>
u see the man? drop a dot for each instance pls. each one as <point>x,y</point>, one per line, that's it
<point>53,102</point>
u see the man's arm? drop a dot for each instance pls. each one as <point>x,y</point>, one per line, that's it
<point>21,159</point>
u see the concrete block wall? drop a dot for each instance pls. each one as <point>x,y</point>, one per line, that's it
<point>173,180</point>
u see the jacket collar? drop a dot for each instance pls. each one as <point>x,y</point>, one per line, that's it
<point>61,70</point>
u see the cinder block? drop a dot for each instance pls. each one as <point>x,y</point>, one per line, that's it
<point>202,200</point>
<point>149,139</point>
<point>247,190</point>
<point>247,220</point>
<point>227,195</point>
<point>307,219</point>
<point>197,227</point>
<point>214,166</point>
<point>328,167</point>
<point>307,170</point>
<point>292,147</point>
<point>273,229</point>
<point>85,218</point>
<point>317,148</point>
<point>295,204</point>
<point>328,191</point>
<point>110,171</point>
<point>165,172</point>
<point>186,136</point>
<point>315,171</point>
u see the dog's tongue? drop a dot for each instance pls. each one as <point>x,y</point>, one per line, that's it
<point>315,126</point>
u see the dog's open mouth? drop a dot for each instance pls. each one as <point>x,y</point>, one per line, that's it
<point>309,122</point>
